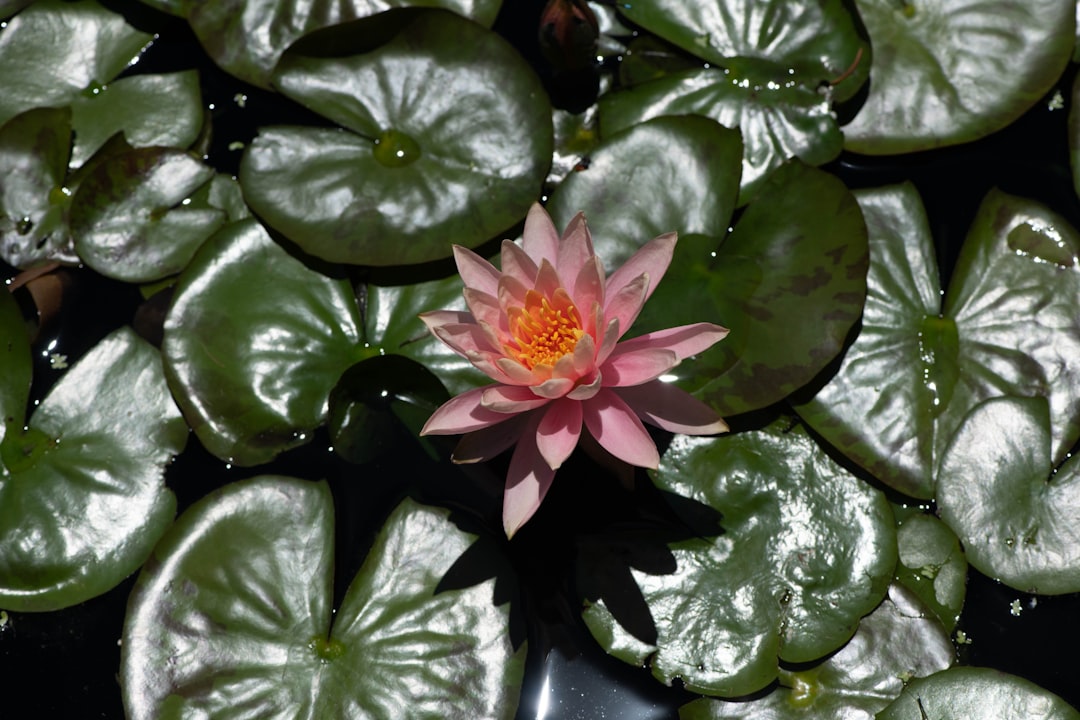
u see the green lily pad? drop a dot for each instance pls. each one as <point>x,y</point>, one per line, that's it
<point>252,632</point>
<point>82,496</point>
<point>767,62</point>
<point>254,342</point>
<point>162,110</point>
<point>1007,326</point>
<point>806,550</point>
<point>933,566</point>
<point>53,51</point>
<point>131,215</point>
<point>953,71</point>
<point>895,643</point>
<point>34,202</point>
<point>15,364</point>
<point>450,141</point>
<point>247,37</point>
<point>962,693</point>
<point>788,282</point>
<point>998,490</point>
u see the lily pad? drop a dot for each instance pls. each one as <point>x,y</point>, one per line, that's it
<point>53,51</point>
<point>962,693</point>
<point>999,491</point>
<point>774,68</point>
<point>933,566</point>
<point>894,644</point>
<point>789,280</point>
<point>207,635</point>
<point>34,202</point>
<point>254,342</point>
<point>449,140</point>
<point>806,550</point>
<point>82,492</point>
<point>247,37</point>
<point>162,110</point>
<point>131,215</point>
<point>952,71</point>
<point>1007,326</point>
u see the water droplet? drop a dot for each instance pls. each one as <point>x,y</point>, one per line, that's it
<point>93,89</point>
<point>395,149</point>
<point>1010,541</point>
<point>24,226</point>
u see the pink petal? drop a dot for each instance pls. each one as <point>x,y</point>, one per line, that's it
<point>615,426</point>
<point>540,238</point>
<point>487,443</point>
<point>684,341</point>
<point>588,291</point>
<point>462,414</point>
<point>488,363</point>
<point>558,432</point>
<point>517,264</point>
<point>475,271</point>
<point>465,339</point>
<point>672,409</point>
<point>637,366</point>
<point>651,259</point>
<point>576,248</point>
<point>547,280</point>
<point>527,481</point>
<point>626,303</point>
<point>511,293</point>
<point>554,387</point>
<point>611,337</point>
<point>588,390</point>
<point>584,356</point>
<point>511,399</point>
<point>485,309</point>
<point>438,318</point>
<point>517,372</point>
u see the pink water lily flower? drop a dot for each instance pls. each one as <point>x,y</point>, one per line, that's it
<point>546,328</point>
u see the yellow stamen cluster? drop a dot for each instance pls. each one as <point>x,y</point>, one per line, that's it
<point>544,330</point>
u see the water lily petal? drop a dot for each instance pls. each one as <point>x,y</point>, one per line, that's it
<point>671,408</point>
<point>488,363</point>
<point>587,390</point>
<point>466,338</point>
<point>527,481</point>
<point>558,432</point>
<point>511,293</point>
<point>584,356</point>
<point>576,248</point>
<point>684,341</point>
<point>611,337</point>
<point>651,259</point>
<point>461,414</point>
<point>554,387</point>
<point>511,399</point>
<point>475,271</point>
<point>484,444</point>
<point>540,238</point>
<point>517,372</point>
<point>626,303</point>
<point>547,280</point>
<point>485,309</point>
<point>588,291</point>
<point>618,430</point>
<point>438,318</point>
<point>636,366</point>
<point>517,264</point>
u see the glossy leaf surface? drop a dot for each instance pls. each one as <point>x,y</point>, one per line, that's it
<point>131,216</point>
<point>450,141</point>
<point>34,150</point>
<point>952,71</point>
<point>1007,325</point>
<point>766,64</point>
<point>205,628</point>
<point>82,497</point>
<point>53,51</point>
<point>962,693</point>
<point>893,644</point>
<point>933,566</point>
<point>788,282</point>
<point>163,110</point>
<point>247,37</point>
<point>997,490</point>
<point>254,342</point>
<point>15,365</point>
<point>806,550</point>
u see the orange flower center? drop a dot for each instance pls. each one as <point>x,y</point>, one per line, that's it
<point>544,330</point>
